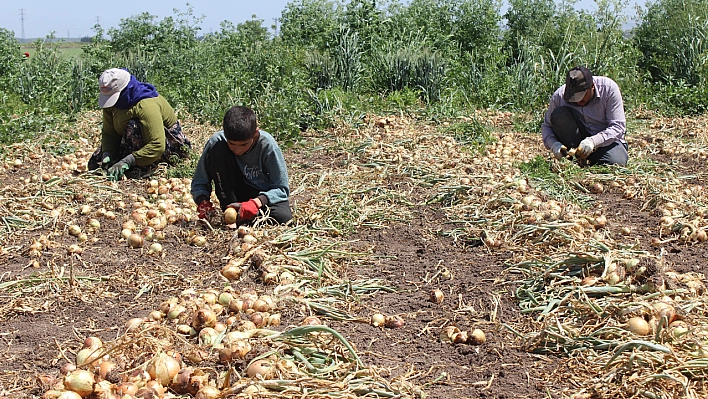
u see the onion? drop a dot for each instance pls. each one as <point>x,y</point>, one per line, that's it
<point>207,336</point>
<point>261,305</point>
<point>208,392</point>
<point>262,367</point>
<point>68,395</point>
<point>198,241</point>
<point>476,337</point>
<point>133,324</point>
<point>126,388</point>
<point>74,230</point>
<point>437,296</point>
<point>135,240</point>
<point>155,248</point>
<point>106,371</point>
<point>155,385</point>
<point>80,381</point>
<point>225,298</point>
<point>175,312</point>
<point>662,309</point>
<point>139,378</point>
<point>394,321</point>
<point>260,319</point>
<point>679,328</point>
<point>249,239</point>
<point>638,326</point>
<point>240,348</point>
<point>205,317</point>
<point>274,319</point>
<point>67,368</point>
<point>311,321</point>
<point>163,368</point>
<point>88,356</point>
<point>377,319</point>
<point>231,271</point>
<point>597,188</point>
<point>230,215</point>
<point>448,332</point>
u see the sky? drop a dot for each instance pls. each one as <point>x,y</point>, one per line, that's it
<point>76,18</point>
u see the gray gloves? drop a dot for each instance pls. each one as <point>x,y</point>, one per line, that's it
<point>585,148</point>
<point>559,150</point>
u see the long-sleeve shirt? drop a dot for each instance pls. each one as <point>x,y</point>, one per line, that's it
<point>263,166</point>
<point>604,114</point>
<point>153,114</point>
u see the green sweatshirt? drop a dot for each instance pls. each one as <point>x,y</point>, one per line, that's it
<point>153,115</point>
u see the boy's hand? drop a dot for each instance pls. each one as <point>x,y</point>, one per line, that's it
<point>204,209</point>
<point>248,210</point>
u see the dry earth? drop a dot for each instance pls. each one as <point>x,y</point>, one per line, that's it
<point>51,301</point>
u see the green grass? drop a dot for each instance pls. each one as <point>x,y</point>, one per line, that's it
<point>66,49</point>
<point>559,180</point>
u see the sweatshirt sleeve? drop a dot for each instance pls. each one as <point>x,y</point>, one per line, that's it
<point>547,133</point>
<point>276,172</point>
<point>614,115</point>
<point>110,138</point>
<point>150,117</point>
<point>201,181</point>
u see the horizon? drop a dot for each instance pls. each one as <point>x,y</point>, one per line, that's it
<point>27,25</point>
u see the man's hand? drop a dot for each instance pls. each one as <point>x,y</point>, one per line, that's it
<point>117,171</point>
<point>585,148</point>
<point>204,209</point>
<point>559,150</point>
<point>248,210</point>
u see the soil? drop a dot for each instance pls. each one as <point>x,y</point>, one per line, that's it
<point>44,321</point>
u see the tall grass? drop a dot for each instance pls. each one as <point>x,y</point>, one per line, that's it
<point>332,62</point>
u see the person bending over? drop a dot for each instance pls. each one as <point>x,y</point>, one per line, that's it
<point>247,169</point>
<point>586,114</point>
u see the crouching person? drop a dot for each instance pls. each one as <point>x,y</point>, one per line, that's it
<point>140,128</point>
<point>247,169</point>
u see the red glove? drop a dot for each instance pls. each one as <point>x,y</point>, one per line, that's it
<point>248,210</point>
<point>205,208</point>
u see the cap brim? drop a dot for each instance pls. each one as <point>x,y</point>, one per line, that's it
<point>577,96</point>
<point>108,101</point>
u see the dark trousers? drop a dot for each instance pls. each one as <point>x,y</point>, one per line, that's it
<point>230,185</point>
<point>569,127</point>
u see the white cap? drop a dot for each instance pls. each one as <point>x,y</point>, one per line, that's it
<point>111,82</point>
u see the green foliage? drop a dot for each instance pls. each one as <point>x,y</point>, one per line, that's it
<point>310,23</point>
<point>672,40</point>
<point>472,133</point>
<point>338,60</point>
<point>10,56</point>
<point>557,180</point>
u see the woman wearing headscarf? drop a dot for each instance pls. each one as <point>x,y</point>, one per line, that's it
<point>140,127</point>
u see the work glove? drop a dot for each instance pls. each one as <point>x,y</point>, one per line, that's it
<point>559,150</point>
<point>204,209</point>
<point>248,210</point>
<point>106,159</point>
<point>118,169</point>
<point>585,148</point>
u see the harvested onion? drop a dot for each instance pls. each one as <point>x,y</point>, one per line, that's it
<point>262,367</point>
<point>80,381</point>
<point>135,241</point>
<point>230,215</point>
<point>638,326</point>
<point>163,368</point>
<point>476,337</point>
